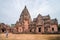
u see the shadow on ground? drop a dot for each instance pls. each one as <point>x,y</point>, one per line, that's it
<point>54,38</point>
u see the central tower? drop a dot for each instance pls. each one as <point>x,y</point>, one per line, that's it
<point>25,19</point>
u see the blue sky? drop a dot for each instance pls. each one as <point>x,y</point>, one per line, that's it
<point>10,10</point>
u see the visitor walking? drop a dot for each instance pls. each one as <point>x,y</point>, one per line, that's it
<point>6,34</point>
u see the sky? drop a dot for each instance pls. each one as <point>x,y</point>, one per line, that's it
<point>10,10</point>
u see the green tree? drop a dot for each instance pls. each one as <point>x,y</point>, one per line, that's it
<point>59,27</point>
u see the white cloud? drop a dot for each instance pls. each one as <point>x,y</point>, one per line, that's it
<point>10,10</point>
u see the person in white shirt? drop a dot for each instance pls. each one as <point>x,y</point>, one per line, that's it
<point>6,34</point>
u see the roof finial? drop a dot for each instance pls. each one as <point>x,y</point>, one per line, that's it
<point>25,6</point>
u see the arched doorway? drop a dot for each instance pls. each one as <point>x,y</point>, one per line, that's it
<point>39,29</point>
<point>3,29</point>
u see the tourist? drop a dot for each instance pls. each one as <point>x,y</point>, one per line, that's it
<point>6,34</point>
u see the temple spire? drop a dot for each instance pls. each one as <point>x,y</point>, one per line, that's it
<point>25,14</point>
<point>39,15</point>
<point>25,6</point>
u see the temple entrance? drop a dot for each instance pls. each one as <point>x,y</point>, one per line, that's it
<point>3,30</point>
<point>39,29</point>
<point>52,29</point>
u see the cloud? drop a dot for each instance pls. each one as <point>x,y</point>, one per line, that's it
<point>10,10</point>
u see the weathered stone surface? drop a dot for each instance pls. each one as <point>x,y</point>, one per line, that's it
<point>40,24</point>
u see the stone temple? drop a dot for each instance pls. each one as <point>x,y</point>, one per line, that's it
<point>40,24</point>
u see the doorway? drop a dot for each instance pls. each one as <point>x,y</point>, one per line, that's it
<point>3,30</point>
<point>39,29</point>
